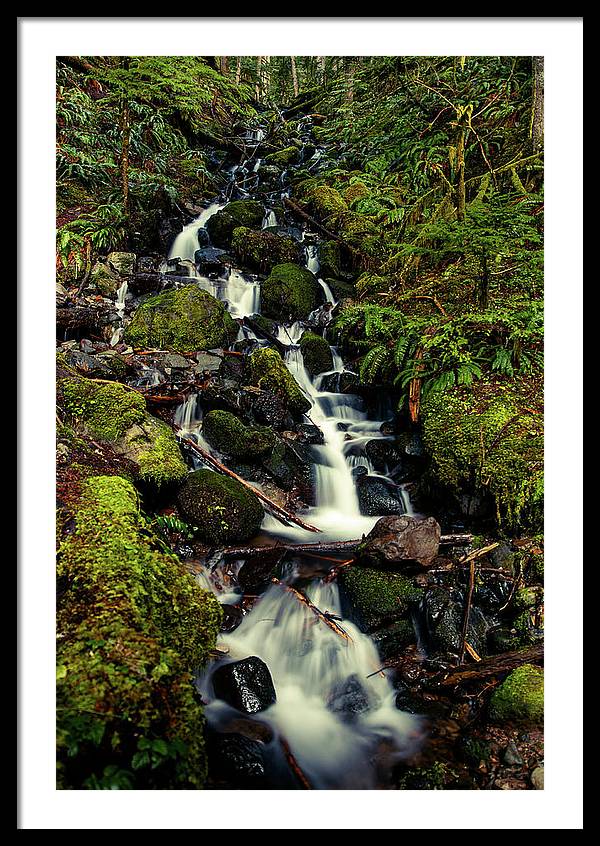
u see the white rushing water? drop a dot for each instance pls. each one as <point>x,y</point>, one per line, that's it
<point>317,671</point>
<point>334,708</point>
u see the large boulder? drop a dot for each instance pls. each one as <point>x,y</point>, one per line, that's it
<point>373,599</point>
<point>181,320</point>
<point>266,370</point>
<point>122,263</point>
<point>246,685</point>
<point>329,254</point>
<point>224,510</point>
<point>394,540</point>
<point>263,250</point>
<point>221,225</point>
<point>383,454</point>
<point>444,616</point>
<point>104,279</point>
<point>378,496</point>
<point>316,353</point>
<point>229,435</point>
<point>236,760</point>
<point>283,158</point>
<point>290,292</point>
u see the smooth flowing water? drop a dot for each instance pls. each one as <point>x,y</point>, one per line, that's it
<point>334,708</point>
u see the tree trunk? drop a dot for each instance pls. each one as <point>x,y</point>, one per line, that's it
<point>537,117</point>
<point>295,76</point>
<point>238,70</point>
<point>223,65</point>
<point>461,203</point>
<point>258,76</point>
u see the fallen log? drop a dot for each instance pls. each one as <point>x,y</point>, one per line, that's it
<point>278,511</point>
<point>326,546</point>
<point>487,667</point>
<point>325,618</point>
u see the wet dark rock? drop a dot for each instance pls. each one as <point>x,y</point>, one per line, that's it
<point>345,382</point>
<point>311,434</point>
<point>224,510</point>
<point>348,698</point>
<point>221,394</point>
<point>502,639</point>
<point>383,454</point>
<point>255,573</point>
<point>378,496</point>
<point>411,702</point>
<point>266,408</point>
<point>290,466</point>
<point>392,640</point>
<point>394,540</point>
<point>444,615</point>
<point>232,617</point>
<point>359,471</point>
<point>211,260</point>
<point>90,365</point>
<point>236,760</point>
<point>246,685</point>
<point>203,237</point>
<point>145,282</point>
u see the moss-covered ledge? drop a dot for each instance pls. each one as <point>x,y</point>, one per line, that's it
<point>487,439</point>
<point>132,626</point>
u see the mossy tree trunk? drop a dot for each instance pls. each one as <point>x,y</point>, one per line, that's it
<point>295,76</point>
<point>537,117</point>
<point>461,197</point>
<point>125,136</point>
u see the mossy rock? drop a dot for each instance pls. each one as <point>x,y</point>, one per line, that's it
<point>520,697</point>
<point>481,441</point>
<point>263,250</point>
<point>104,279</point>
<point>267,371</point>
<point>330,259</point>
<point>374,599</point>
<point>283,158</point>
<point>106,411</point>
<point>220,226</point>
<point>223,510</point>
<point>122,263</point>
<point>133,625</point>
<point>229,435</point>
<point>181,320</point>
<point>355,192</point>
<point>152,445</point>
<point>327,203</point>
<point>316,353</point>
<point>290,292</point>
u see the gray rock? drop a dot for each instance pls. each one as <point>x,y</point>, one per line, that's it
<point>393,540</point>
<point>537,778</point>
<point>511,755</point>
<point>377,496</point>
<point>122,263</point>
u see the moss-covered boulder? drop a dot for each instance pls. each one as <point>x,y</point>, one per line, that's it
<point>484,440</point>
<point>373,599</point>
<point>105,280</point>
<point>220,226</point>
<point>520,697</point>
<point>327,203</point>
<point>355,192</point>
<point>117,415</point>
<point>263,250</point>
<point>283,158</point>
<point>316,353</point>
<point>330,259</point>
<point>132,626</point>
<point>181,320</point>
<point>290,292</point>
<point>223,510</point>
<point>266,370</point>
<point>229,435</point>
<point>122,263</point>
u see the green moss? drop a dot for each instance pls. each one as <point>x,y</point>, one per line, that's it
<point>325,202</point>
<point>220,226</point>
<point>228,434</point>
<point>132,625</point>
<point>424,778</point>
<point>356,191</point>
<point>181,320</point>
<point>104,279</point>
<point>482,443</point>
<point>377,598</point>
<point>157,454</point>
<point>316,353</point>
<point>267,371</point>
<point>263,250</point>
<point>290,292</point>
<point>283,158</point>
<point>223,509</point>
<point>105,410</point>
<point>330,259</point>
<point>520,697</point>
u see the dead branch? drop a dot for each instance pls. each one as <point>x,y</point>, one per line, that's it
<point>465,627</point>
<point>294,765</point>
<point>487,667</point>
<point>280,513</point>
<point>325,618</point>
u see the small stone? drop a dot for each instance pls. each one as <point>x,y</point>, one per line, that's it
<point>511,755</point>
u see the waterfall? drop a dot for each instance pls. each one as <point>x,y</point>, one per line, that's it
<point>313,670</point>
<point>269,219</point>
<point>120,309</point>
<point>186,243</point>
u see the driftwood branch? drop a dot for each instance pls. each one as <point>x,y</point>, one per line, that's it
<point>324,618</point>
<point>488,667</point>
<point>326,546</point>
<point>294,765</point>
<point>280,513</point>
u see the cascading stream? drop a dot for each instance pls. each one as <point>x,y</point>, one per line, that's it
<point>315,670</point>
